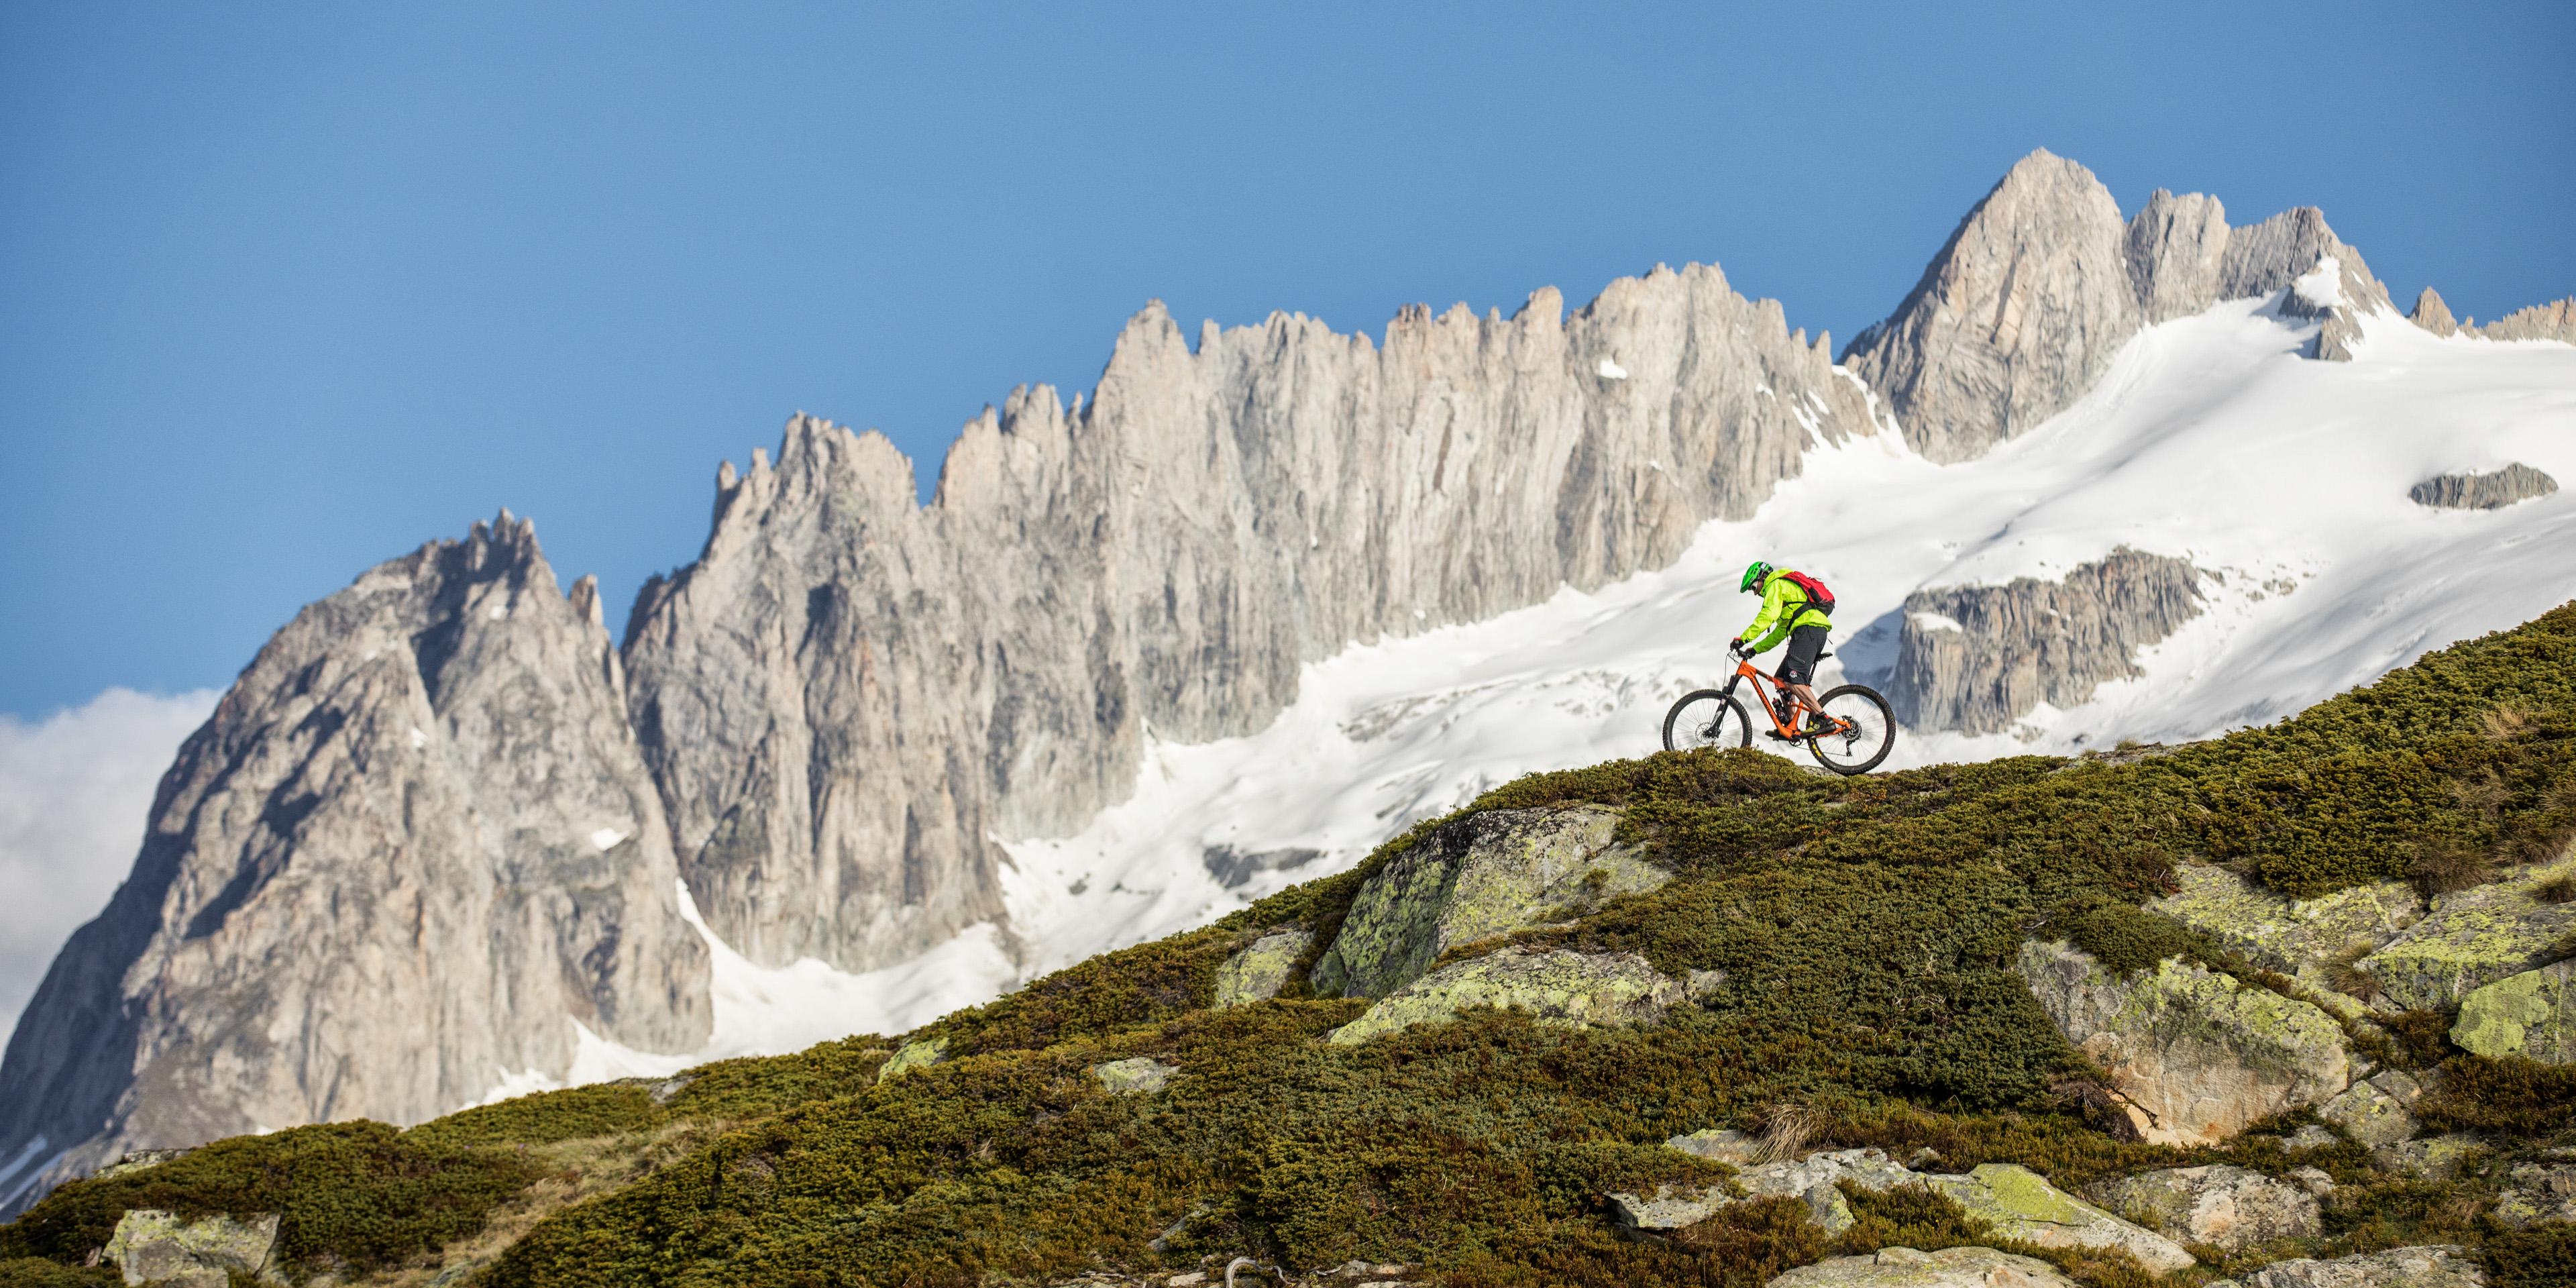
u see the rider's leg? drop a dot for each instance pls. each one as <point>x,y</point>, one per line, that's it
<point>1798,666</point>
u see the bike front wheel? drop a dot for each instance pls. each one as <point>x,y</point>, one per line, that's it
<point>1707,718</point>
<point>1868,730</point>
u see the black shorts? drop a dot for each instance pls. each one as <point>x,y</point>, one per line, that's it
<point>1805,643</point>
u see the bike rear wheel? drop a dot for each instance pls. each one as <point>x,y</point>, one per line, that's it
<point>1868,733</point>
<point>1707,718</point>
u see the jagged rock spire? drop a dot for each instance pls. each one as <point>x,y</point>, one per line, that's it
<point>412,848</point>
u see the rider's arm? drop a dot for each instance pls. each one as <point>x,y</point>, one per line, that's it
<point>1771,625</point>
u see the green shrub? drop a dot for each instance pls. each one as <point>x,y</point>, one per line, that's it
<point>542,1119</point>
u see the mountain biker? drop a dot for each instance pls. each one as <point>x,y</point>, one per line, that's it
<point>1788,610</point>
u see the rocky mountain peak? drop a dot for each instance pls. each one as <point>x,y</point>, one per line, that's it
<point>2042,283</point>
<point>2016,316</point>
<point>414,847</point>
<point>2432,314</point>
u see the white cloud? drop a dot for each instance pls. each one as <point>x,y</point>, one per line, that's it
<point>74,790</point>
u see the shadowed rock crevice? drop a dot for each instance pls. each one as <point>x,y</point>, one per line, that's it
<point>1978,658</point>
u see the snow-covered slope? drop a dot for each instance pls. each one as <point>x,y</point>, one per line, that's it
<point>2210,438</point>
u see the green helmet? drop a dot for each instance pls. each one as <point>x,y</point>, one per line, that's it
<point>1754,572</point>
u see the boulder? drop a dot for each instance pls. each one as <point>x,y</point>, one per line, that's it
<point>2474,938</point>
<point>2017,1203</point>
<point>2532,1014</point>
<point>1907,1268</point>
<point>1723,1145</point>
<point>2231,1208</point>
<point>2311,1136</point>
<point>1811,1180</point>
<point>2198,1055</point>
<point>2434,1158</point>
<point>155,1247</point>
<point>1487,874</point>
<point>1136,1076</point>
<point>2375,1112</point>
<point>1256,973</point>
<point>2301,938</point>
<point>2428,1267</point>
<point>1559,986</point>
<point>2538,1192</point>
<point>913,1055</point>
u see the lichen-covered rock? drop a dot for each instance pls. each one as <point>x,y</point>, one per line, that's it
<point>2312,1136</point>
<point>913,1055</point>
<point>2232,1208</point>
<point>1486,874</point>
<point>1257,972</point>
<point>2440,1266</point>
<point>2435,1158</point>
<point>1724,1145</point>
<point>156,1247</point>
<point>2301,938</point>
<point>2532,1014</point>
<point>1967,1267</point>
<point>2198,1055</point>
<point>1140,1075</point>
<point>2019,1203</point>
<point>2374,1112</point>
<point>2492,490</point>
<point>2538,1192</point>
<point>1812,1180</point>
<point>2473,938</point>
<point>1557,987</point>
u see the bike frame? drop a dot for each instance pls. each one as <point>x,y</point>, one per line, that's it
<point>1745,670</point>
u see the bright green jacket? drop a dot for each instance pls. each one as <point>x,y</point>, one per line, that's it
<point>1784,609</point>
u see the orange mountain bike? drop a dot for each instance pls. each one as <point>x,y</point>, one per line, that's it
<point>1854,730</point>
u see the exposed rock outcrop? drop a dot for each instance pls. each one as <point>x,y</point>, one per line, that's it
<point>848,693</point>
<point>1258,971</point>
<point>2377,1111</point>
<point>2538,1192</point>
<point>2432,314</point>
<point>2230,1208</point>
<point>2303,938</point>
<point>1141,1075</point>
<point>2018,1203</point>
<point>2532,1014</point>
<point>1967,1267</point>
<point>412,848</point>
<point>2441,1266</point>
<point>1561,987</point>
<point>2198,1055</point>
<point>1487,874</point>
<point>1977,658</point>
<point>2474,938</point>
<point>1814,1181</point>
<point>2042,283</point>
<point>2552,321</point>
<point>156,1247</point>
<point>2492,490</point>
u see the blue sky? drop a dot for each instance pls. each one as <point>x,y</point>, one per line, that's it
<point>292,289</point>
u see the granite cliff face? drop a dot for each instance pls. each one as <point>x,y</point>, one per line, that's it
<point>412,848</point>
<point>849,694</point>
<point>2042,283</point>
<point>1976,658</point>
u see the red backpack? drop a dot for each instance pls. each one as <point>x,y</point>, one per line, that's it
<point>1818,598</point>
